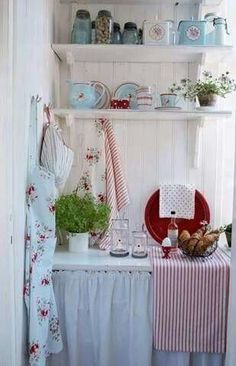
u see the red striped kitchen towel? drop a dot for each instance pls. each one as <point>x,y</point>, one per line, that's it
<point>190,302</point>
<point>116,190</point>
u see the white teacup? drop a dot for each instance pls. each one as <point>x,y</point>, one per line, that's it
<point>169,100</point>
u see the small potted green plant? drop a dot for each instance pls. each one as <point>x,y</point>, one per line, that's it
<point>79,216</point>
<point>206,90</point>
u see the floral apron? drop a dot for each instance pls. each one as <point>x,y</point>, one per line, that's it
<point>44,335</point>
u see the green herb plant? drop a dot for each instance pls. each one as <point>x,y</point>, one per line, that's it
<point>81,214</point>
<point>209,85</point>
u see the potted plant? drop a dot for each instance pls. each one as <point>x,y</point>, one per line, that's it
<point>79,216</point>
<point>206,90</point>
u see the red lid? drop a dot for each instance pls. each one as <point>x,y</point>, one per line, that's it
<point>157,226</point>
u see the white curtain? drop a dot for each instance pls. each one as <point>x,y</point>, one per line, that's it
<point>106,320</point>
<point>187,359</point>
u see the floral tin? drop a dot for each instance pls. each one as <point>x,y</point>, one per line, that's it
<point>157,33</point>
<point>192,32</point>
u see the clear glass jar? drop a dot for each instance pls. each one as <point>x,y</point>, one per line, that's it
<point>139,244</point>
<point>93,35</point>
<point>116,39</point>
<point>130,34</point>
<point>104,27</point>
<point>221,31</point>
<point>81,32</point>
<point>120,238</point>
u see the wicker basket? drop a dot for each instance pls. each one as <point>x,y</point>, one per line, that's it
<point>195,251</point>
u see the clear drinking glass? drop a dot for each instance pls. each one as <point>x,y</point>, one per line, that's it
<point>120,238</point>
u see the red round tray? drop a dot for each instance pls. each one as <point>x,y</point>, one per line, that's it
<point>157,226</point>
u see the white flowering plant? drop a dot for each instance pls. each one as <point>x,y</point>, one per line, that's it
<point>209,85</point>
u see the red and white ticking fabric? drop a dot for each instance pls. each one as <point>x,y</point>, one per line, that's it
<point>190,302</point>
<point>116,191</point>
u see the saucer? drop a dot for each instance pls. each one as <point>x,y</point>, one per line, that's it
<point>169,108</point>
<point>206,109</point>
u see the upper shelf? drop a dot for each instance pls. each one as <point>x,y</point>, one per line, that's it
<point>71,53</point>
<point>144,2</point>
<point>122,114</point>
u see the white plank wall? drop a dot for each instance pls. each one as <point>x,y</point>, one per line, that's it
<point>157,152</point>
<point>35,70</point>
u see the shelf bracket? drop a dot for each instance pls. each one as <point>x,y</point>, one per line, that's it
<point>70,58</point>
<point>70,124</point>
<point>197,142</point>
<point>69,120</point>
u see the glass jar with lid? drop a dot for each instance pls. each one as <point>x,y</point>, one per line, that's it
<point>130,34</point>
<point>116,39</point>
<point>93,36</point>
<point>119,238</point>
<point>81,32</point>
<point>221,31</point>
<point>139,244</point>
<point>104,27</point>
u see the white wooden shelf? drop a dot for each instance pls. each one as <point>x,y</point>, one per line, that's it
<point>71,53</point>
<point>198,119</point>
<point>144,2</point>
<point>119,114</point>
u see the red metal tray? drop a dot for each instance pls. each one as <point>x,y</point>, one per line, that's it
<point>157,226</point>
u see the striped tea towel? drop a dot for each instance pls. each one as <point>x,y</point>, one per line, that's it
<point>116,189</point>
<point>55,155</point>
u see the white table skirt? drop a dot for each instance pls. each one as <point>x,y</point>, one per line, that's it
<point>106,320</point>
<point>105,317</point>
<point>187,359</point>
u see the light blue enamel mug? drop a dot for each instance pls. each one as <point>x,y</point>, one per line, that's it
<point>84,95</point>
<point>169,100</point>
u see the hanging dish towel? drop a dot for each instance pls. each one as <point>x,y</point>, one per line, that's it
<point>179,198</point>
<point>56,157</point>
<point>98,170</point>
<point>117,195</point>
<point>44,335</point>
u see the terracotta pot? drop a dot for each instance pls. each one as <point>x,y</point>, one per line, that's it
<point>209,100</point>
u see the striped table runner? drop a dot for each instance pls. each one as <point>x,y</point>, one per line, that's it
<point>190,302</point>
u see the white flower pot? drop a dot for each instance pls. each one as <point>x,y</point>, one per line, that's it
<point>78,243</point>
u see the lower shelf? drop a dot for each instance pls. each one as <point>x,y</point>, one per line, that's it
<point>141,115</point>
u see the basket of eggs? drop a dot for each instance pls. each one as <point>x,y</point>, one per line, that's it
<point>202,243</point>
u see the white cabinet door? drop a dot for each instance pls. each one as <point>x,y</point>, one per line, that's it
<point>7,313</point>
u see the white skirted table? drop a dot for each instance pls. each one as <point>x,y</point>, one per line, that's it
<point>106,317</point>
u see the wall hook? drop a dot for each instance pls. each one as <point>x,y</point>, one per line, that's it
<point>46,109</point>
<point>38,98</point>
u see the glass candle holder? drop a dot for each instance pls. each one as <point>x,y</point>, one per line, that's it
<point>120,238</point>
<point>139,244</point>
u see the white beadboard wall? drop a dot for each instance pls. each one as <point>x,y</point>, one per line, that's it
<point>155,152</point>
<point>35,72</point>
